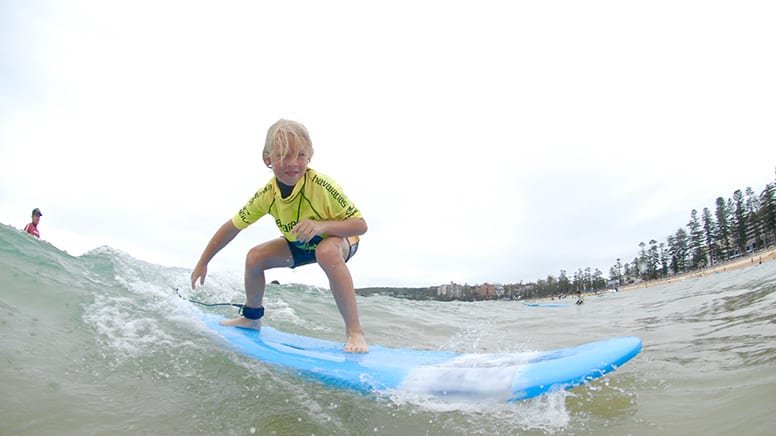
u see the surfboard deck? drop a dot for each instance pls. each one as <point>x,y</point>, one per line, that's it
<point>492,376</point>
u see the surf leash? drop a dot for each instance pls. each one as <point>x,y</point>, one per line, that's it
<point>240,306</point>
<point>248,312</point>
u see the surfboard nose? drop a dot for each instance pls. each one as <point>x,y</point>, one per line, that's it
<point>574,366</point>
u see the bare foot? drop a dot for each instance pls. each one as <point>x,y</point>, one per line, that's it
<point>356,343</point>
<point>243,323</point>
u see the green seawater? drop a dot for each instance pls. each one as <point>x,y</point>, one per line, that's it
<point>101,344</point>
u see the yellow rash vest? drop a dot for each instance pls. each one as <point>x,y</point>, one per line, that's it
<point>316,197</point>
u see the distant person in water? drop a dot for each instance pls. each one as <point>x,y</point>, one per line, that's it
<point>317,221</point>
<point>580,297</point>
<point>32,228</point>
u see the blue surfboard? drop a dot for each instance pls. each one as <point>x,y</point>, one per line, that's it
<point>499,376</point>
<point>547,304</point>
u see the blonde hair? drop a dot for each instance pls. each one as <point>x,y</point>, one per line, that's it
<point>279,138</point>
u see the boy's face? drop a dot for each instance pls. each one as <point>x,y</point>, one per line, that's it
<point>290,169</point>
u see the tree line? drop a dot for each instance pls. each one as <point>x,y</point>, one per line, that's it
<point>740,225</point>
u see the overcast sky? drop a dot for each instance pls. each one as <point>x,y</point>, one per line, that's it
<point>483,141</point>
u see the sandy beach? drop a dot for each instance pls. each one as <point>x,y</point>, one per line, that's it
<point>742,262</point>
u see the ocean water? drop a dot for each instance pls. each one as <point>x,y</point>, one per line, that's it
<point>101,344</point>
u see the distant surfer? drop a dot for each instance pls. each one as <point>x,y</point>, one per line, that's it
<point>32,228</point>
<point>580,297</point>
<point>318,222</point>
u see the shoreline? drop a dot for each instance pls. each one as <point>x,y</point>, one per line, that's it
<point>732,265</point>
<point>742,262</point>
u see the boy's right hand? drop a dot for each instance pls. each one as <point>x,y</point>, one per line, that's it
<point>200,271</point>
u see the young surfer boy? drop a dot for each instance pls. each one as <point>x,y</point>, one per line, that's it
<point>318,223</point>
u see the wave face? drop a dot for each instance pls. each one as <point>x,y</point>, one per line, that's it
<point>101,343</point>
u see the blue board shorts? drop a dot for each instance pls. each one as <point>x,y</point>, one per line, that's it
<point>305,256</point>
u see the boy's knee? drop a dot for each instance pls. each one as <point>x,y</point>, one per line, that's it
<point>328,251</point>
<point>255,256</point>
